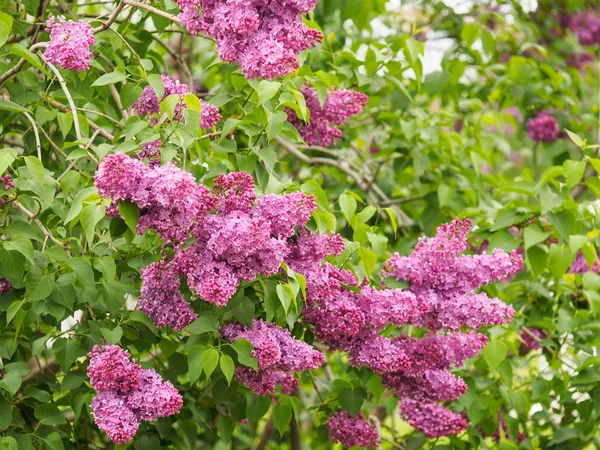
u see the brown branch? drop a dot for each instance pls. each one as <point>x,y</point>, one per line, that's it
<point>105,134</point>
<point>266,436</point>
<point>41,226</point>
<point>152,9</point>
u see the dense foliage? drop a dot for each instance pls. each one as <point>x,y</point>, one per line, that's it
<point>283,224</point>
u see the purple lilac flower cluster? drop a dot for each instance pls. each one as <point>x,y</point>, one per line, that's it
<point>337,109</point>
<point>580,265</point>
<point>586,25</point>
<point>531,340</point>
<point>235,236</point>
<point>127,394</point>
<point>543,128</point>
<point>70,44</point>
<point>4,286</point>
<point>148,106</point>
<point>278,355</point>
<point>352,431</point>
<point>7,182</point>
<point>441,297</point>
<point>264,38</point>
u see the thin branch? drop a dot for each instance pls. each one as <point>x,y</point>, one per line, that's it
<point>41,226</point>
<point>17,68</point>
<point>65,89</point>
<point>38,145</point>
<point>117,99</point>
<point>152,9</point>
<point>264,439</point>
<point>105,134</point>
<point>106,25</point>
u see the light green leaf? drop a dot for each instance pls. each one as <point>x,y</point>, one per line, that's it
<point>112,336</point>
<point>38,286</point>
<point>494,353</point>
<point>205,323</point>
<point>282,416</point>
<point>11,382</point>
<point>227,367</point>
<point>534,235</point>
<point>244,350</point>
<point>573,172</point>
<point>111,78</point>
<point>210,361</point>
<point>7,105</point>
<point>195,362</point>
<point>21,244</point>
<point>6,23</point>
<point>90,216</point>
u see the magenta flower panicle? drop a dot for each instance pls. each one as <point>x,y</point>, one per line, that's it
<point>70,43</point>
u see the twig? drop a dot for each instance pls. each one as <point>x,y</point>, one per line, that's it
<point>17,68</point>
<point>65,89</point>
<point>264,439</point>
<point>153,10</point>
<point>38,145</point>
<point>117,99</point>
<point>41,226</point>
<point>105,134</point>
<point>106,25</point>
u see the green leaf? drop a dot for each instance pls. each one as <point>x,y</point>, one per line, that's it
<point>193,102</point>
<point>560,259</point>
<point>534,235</point>
<point>158,85</point>
<point>53,441</point>
<point>49,414</point>
<point>244,312</point>
<point>266,90</point>
<point>36,168</point>
<point>30,57</point>
<point>564,434</point>
<point>348,206</point>
<point>112,336</point>
<point>506,218</point>
<point>352,399</point>
<point>90,216</point>
<point>107,266</point>
<point>38,286</point>
<point>573,172</point>
<point>13,263</point>
<point>244,351</point>
<point>257,407</point>
<point>195,362</point>
<point>83,271</point>
<point>7,157</point>
<point>575,138</point>
<point>6,23</point>
<point>21,244</point>
<point>210,361</point>
<point>5,415</point>
<point>227,367</point>
<point>111,78</point>
<point>130,213</point>
<point>7,105</point>
<point>494,353</point>
<point>11,382</point>
<point>205,323</point>
<point>282,416</point>
<point>67,351</point>
<point>285,295</point>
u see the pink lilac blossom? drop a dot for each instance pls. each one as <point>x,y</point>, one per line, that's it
<point>148,104</point>
<point>352,431</point>
<point>431,418</point>
<point>70,43</point>
<point>390,306</point>
<point>580,61</point>
<point>264,38</point>
<point>580,265</point>
<point>531,338</point>
<point>434,385</point>
<point>127,394</point>
<point>161,299</point>
<point>278,354</point>
<point>338,108</point>
<point>167,197</point>
<point>447,280</point>
<point>4,286</point>
<point>586,25</point>
<point>543,128</point>
<point>7,183</point>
